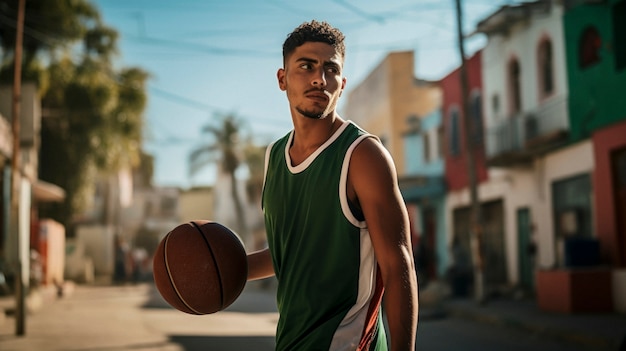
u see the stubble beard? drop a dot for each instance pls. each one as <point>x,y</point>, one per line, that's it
<point>312,114</point>
<point>318,113</point>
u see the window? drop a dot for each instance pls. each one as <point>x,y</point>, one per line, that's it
<point>426,140</point>
<point>572,213</point>
<point>454,141</point>
<point>546,72</point>
<point>495,104</point>
<point>413,123</point>
<point>589,46</point>
<point>477,120</point>
<point>440,142</point>
<point>572,206</point>
<point>514,86</point>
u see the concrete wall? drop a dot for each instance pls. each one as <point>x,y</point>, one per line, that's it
<point>196,203</point>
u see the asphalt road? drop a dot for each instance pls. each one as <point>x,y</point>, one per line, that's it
<point>118,318</point>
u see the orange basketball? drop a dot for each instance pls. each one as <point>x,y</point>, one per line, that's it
<point>200,267</point>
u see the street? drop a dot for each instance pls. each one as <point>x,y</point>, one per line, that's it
<point>117,318</point>
<point>459,334</point>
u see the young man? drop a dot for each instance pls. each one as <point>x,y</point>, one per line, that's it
<point>337,227</point>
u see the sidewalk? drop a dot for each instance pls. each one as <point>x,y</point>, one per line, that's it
<point>37,300</point>
<point>597,332</point>
<point>33,301</point>
<point>134,317</point>
<point>85,318</point>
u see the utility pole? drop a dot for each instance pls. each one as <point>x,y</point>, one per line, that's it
<point>20,284</point>
<point>476,228</point>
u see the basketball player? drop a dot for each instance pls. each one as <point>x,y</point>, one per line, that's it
<point>337,226</point>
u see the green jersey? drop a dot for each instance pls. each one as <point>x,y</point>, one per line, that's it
<point>329,289</point>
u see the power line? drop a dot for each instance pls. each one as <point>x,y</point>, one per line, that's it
<point>356,10</point>
<point>207,49</point>
<point>204,107</point>
<point>182,100</point>
<point>32,33</point>
<point>413,13</point>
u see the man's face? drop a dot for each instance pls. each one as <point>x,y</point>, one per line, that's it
<point>313,79</point>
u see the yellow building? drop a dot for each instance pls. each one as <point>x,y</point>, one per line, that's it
<point>390,102</point>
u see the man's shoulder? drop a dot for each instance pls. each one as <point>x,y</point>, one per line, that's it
<point>360,132</point>
<point>280,141</point>
<point>369,152</point>
<point>353,126</point>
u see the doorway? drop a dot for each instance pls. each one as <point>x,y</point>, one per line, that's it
<point>526,250</point>
<point>618,164</point>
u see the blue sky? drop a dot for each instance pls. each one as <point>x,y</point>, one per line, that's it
<point>209,57</point>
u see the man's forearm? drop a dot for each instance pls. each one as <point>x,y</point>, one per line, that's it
<point>401,308</point>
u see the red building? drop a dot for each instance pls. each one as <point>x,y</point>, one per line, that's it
<point>456,174</point>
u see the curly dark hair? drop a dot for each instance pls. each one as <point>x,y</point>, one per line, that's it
<point>314,31</point>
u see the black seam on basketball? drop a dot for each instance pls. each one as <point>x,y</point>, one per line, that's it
<point>217,267</point>
<point>169,275</point>
<point>167,267</point>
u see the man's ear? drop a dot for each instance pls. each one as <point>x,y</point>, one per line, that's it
<point>281,79</point>
<point>343,85</point>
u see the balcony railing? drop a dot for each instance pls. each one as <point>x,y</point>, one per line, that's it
<point>524,135</point>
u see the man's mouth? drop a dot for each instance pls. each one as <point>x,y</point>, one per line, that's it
<point>318,95</point>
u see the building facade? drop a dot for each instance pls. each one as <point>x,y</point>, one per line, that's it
<point>33,237</point>
<point>549,147</point>
<point>525,96</point>
<point>595,37</point>
<point>491,189</point>
<point>404,112</point>
<point>389,99</point>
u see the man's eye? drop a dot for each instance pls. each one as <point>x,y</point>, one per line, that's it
<point>305,66</point>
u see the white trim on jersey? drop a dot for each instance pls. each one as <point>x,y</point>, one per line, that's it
<point>348,334</point>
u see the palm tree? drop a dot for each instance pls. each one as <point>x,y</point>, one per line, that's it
<point>224,148</point>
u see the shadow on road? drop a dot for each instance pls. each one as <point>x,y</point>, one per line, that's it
<point>155,300</point>
<point>224,343</point>
<point>253,299</point>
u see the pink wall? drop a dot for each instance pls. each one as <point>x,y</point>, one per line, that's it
<point>605,141</point>
<point>455,166</point>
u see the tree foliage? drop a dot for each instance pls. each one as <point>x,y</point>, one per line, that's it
<point>48,24</point>
<point>93,111</point>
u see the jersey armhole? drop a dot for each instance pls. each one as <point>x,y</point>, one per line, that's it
<point>268,151</point>
<point>343,183</point>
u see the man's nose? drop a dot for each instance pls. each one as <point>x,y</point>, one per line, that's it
<point>319,80</point>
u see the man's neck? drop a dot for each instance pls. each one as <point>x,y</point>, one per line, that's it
<point>310,134</point>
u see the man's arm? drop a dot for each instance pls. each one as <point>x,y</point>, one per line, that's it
<point>260,265</point>
<point>372,176</point>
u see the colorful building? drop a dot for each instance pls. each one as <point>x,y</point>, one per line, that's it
<point>490,189</point>
<point>549,149</point>
<point>525,97</point>
<point>403,112</point>
<point>595,37</point>
<point>423,188</point>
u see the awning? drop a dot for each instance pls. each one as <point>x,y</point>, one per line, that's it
<point>415,188</point>
<point>47,192</point>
